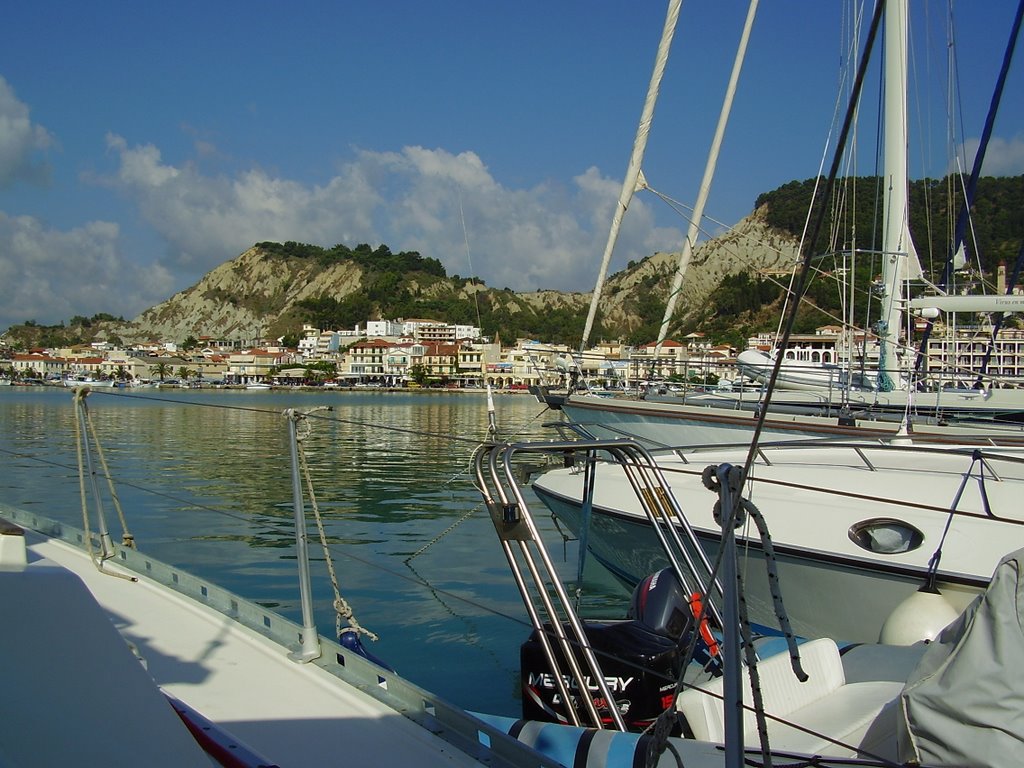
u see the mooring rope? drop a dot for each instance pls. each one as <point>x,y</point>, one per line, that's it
<point>658,732</point>
<point>740,506</point>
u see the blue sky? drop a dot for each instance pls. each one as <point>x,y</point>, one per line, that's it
<point>142,144</point>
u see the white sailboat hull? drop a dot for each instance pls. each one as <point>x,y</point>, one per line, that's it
<point>729,419</point>
<point>811,499</point>
<point>828,386</point>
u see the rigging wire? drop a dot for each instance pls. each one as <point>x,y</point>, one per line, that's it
<point>811,244</point>
<point>963,218</point>
<point>847,323</point>
<point>469,260</point>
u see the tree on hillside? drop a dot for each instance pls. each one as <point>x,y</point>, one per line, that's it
<point>994,236</point>
<point>327,312</point>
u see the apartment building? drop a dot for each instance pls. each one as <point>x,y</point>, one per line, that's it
<point>365,360</point>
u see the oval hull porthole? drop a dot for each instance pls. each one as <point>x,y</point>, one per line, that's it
<point>885,536</point>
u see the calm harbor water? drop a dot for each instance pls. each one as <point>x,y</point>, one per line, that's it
<point>204,477</point>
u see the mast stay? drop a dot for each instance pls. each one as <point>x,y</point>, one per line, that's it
<point>634,176</point>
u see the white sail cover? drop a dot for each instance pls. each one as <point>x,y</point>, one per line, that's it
<point>964,704</point>
<point>1012,302</point>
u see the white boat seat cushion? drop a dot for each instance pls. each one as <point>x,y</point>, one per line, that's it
<point>858,714</point>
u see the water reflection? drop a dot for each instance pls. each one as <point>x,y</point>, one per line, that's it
<point>205,481</point>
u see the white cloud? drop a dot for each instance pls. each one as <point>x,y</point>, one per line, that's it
<point>1004,157</point>
<point>20,141</point>
<point>416,199</point>
<point>49,275</point>
<point>206,220</point>
<point>549,236</point>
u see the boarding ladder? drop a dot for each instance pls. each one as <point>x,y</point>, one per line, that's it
<point>552,613</point>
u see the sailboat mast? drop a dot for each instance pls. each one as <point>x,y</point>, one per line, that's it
<point>900,260</point>
<point>633,170</point>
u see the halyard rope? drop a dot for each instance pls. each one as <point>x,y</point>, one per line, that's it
<point>341,607</point>
<point>82,412</point>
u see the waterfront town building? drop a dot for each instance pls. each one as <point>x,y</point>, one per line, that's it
<point>440,361</point>
<point>364,360</point>
<point>384,329</point>
<point>650,362</point>
<point>38,365</point>
<point>474,357</point>
<point>254,366</point>
<point>399,360</point>
<point>442,354</point>
<point>959,360</point>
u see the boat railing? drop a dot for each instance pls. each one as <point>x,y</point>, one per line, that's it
<point>876,453</point>
<point>978,463</point>
<point>453,724</point>
<point>552,612</point>
<point>992,452</point>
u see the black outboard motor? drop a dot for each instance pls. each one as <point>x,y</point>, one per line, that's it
<point>640,657</point>
<point>660,604</point>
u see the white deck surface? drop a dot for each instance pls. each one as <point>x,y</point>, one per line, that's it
<point>293,714</point>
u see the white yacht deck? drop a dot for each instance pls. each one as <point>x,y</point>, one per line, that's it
<point>290,713</point>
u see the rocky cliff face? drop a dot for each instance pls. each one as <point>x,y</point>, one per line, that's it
<point>243,297</point>
<point>255,294</point>
<point>751,246</point>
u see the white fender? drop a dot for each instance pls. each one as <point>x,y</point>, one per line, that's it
<point>920,617</point>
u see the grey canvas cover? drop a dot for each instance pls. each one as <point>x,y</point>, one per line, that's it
<point>964,703</point>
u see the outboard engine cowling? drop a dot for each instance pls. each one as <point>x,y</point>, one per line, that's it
<point>641,658</point>
<point>661,605</point>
